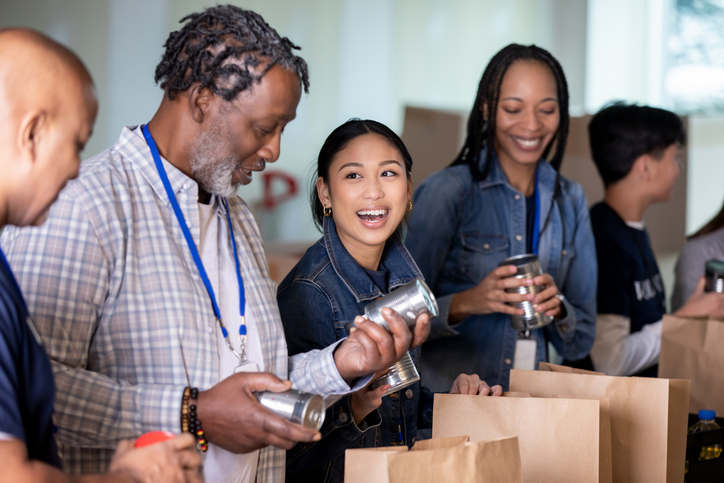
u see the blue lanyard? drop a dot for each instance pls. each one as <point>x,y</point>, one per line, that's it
<point>195,252</point>
<point>536,219</point>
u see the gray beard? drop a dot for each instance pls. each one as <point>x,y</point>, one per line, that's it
<point>210,172</point>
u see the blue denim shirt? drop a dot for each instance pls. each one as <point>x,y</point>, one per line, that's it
<point>323,293</point>
<point>461,229</point>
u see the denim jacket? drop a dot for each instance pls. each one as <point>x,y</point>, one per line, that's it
<point>323,293</point>
<point>461,229</point>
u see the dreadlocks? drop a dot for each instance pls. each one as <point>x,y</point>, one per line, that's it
<point>220,48</point>
<point>481,132</point>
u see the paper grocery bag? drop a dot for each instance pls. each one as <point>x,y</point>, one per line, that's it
<point>495,461</point>
<point>559,439</point>
<point>442,460</point>
<point>694,349</point>
<point>368,464</point>
<point>648,417</point>
<point>547,366</point>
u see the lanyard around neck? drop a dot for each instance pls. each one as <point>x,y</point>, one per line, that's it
<point>536,219</point>
<point>195,252</point>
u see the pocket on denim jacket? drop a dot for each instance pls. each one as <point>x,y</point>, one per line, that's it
<point>481,254</point>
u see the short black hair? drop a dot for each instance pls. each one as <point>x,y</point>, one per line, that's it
<point>219,48</point>
<point>481,133</point>
<point>336,142</point>
<point>620,133</point>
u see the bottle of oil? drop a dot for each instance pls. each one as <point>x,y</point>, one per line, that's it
<point>706,422</point>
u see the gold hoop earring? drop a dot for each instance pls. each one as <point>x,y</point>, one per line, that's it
<point>409,206</point>
<point>328,211</point>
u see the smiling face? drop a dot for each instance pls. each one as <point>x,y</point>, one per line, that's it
<point>243,135</point>
<point>527,117</point>
<point>368,192</point>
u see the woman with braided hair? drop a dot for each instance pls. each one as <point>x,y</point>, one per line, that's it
<point>503,196</point>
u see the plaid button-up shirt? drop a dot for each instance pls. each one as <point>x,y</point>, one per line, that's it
<point>116,296</point>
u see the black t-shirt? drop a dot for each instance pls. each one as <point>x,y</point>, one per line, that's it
<point>629,282</point>
<point>27,391</point>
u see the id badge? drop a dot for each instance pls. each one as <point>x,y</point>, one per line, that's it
<point>526,354</point>
<point>247,366</point>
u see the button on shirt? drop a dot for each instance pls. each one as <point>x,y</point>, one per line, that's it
<point>115,294</point>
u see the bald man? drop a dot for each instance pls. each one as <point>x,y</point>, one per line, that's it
<point>47,110</point>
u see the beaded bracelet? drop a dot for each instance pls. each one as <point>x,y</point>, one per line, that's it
<point>189,420</point>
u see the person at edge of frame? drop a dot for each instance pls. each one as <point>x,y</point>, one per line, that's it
<point>637,151</point>
<point>48,107</point>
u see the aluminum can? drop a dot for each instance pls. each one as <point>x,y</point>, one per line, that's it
<point>410,301</point>
<point>297,407</point>
<point>714,275</point>
<point>404,373</point>
<point>528,266</point>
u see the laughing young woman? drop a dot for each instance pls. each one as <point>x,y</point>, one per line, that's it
<point>502,197</point>
<point>363,191</point>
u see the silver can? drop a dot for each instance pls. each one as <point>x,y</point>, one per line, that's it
<point>714,275</point>
<point>297,407</point>
<point>528,266</point>
<point>401,375</point>
<point>410,301</point>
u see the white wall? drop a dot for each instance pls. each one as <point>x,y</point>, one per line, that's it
<point>367,58</point>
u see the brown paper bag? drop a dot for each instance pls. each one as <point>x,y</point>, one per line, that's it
<point>694,349</point>
<point>559,439</point>
<point>547,366</point>
<point>442,460</point>
<point>496,461</point>
<point>648,418</point>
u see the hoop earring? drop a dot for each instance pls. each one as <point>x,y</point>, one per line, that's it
<point>328,212</point>
<point>409,206</point>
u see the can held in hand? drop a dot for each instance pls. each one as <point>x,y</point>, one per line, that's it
<point>297,407</point>
<point>528,266</point>
<point>410,301</point>
<point>714,275</point>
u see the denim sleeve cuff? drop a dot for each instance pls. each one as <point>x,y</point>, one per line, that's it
<point>350,430</point>
<point>566,326</point>
<point>439,326</point>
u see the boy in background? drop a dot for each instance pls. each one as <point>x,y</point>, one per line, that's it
<point>637,152</point>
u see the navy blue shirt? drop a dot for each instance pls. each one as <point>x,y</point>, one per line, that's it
<point>378,277</point>
<point>629,283</point>
<point>27,391</point>
<point>530,208</point>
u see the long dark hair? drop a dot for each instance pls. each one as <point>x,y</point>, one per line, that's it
<point>481,133</point>
<point>336,142</point>
<point>714,224</point>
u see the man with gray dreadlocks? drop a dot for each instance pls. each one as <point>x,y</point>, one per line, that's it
<point>155,300</point>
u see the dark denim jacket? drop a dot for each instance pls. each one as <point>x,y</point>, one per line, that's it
<point>323,293</point>
<point>460,229</point>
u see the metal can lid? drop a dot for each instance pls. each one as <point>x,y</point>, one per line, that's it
<point>715,268</point>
